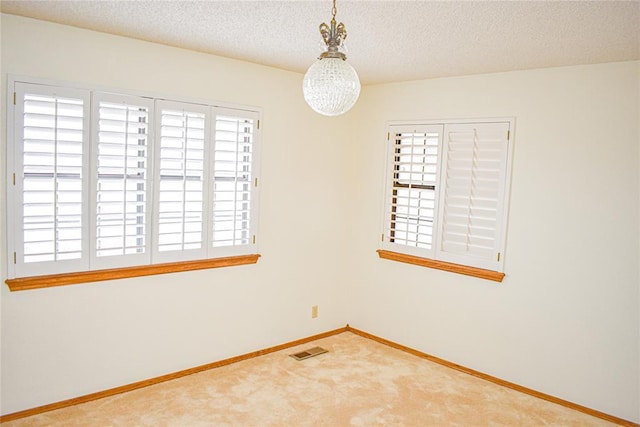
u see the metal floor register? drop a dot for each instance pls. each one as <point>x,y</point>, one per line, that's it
<point>308,353</point>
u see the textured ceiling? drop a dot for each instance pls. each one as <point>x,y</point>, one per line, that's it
<point>388,40</point>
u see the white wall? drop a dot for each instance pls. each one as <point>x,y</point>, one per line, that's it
<point>565,321</point>
<point>64,342</point>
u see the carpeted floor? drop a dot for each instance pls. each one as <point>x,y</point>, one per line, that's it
<point>359,382</point>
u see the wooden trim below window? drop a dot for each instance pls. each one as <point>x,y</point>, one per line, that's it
<point>47,281</point>
<point>441,265</point>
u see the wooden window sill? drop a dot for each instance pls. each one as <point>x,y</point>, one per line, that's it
<point>441,265</point>
<point>36,282</point>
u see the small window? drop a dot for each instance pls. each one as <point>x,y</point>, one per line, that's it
<point>446,193</point>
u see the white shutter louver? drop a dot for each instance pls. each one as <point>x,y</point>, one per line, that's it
<point>52,178</point>
<point>411,195</point>
<point>181,180</point>
<point>232,180</point>
<point>473,191</point>
<point>49,221</point>
<point>122,177</point>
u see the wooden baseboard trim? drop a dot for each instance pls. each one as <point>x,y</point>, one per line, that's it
<point>347,328</point>
<point>163,378</point>
<point>495,380</point>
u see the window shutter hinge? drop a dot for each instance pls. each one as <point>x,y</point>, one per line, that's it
<point>508,135</point>
<point>382,237</point>
<point>14,178</point>
<point>258,124</point>
<point>14,98</point>
<point>388,135</point>
<point>256,182</point>
<point>14,258</point>
<point>254,239</point>
<point>498,256</point>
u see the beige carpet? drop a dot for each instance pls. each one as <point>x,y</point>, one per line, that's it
<point>359,382</point>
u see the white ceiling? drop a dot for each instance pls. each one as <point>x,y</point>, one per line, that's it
<point>387,40</point>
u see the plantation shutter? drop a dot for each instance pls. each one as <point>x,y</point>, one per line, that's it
<point>233,225</point>
<point>472,198</point>
<point>122,194</point>
<point>50,163</point>
<point>412,188</point>
<point>181,181</point>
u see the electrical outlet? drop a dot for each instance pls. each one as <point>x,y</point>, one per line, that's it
<point>314,311</point>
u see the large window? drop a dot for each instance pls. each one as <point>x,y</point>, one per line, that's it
<point>106,181</point>
<point>446,194</point>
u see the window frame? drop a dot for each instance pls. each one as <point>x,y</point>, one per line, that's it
<point>15,198</point>
<point>390,188</point>
<point>235,255</point>
<point>125,260</point>
<point>252,182</point>
<point>435,257</point>
<point>183,255</point>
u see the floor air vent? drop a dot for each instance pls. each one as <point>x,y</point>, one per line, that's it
<point>308,353</point>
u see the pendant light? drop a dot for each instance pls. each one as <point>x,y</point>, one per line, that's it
<point>331,86</point>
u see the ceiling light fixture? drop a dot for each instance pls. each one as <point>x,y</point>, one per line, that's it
<point>331,85</point>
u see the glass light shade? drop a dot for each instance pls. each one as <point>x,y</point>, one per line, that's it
<point>331,86</point>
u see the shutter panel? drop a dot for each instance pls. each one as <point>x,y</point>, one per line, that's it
<point>473,194</point>
<point>50,226</point>
<point>122,167</point>
<point>234,220</point>
<point>181,182</point>
<point>412,188</point>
